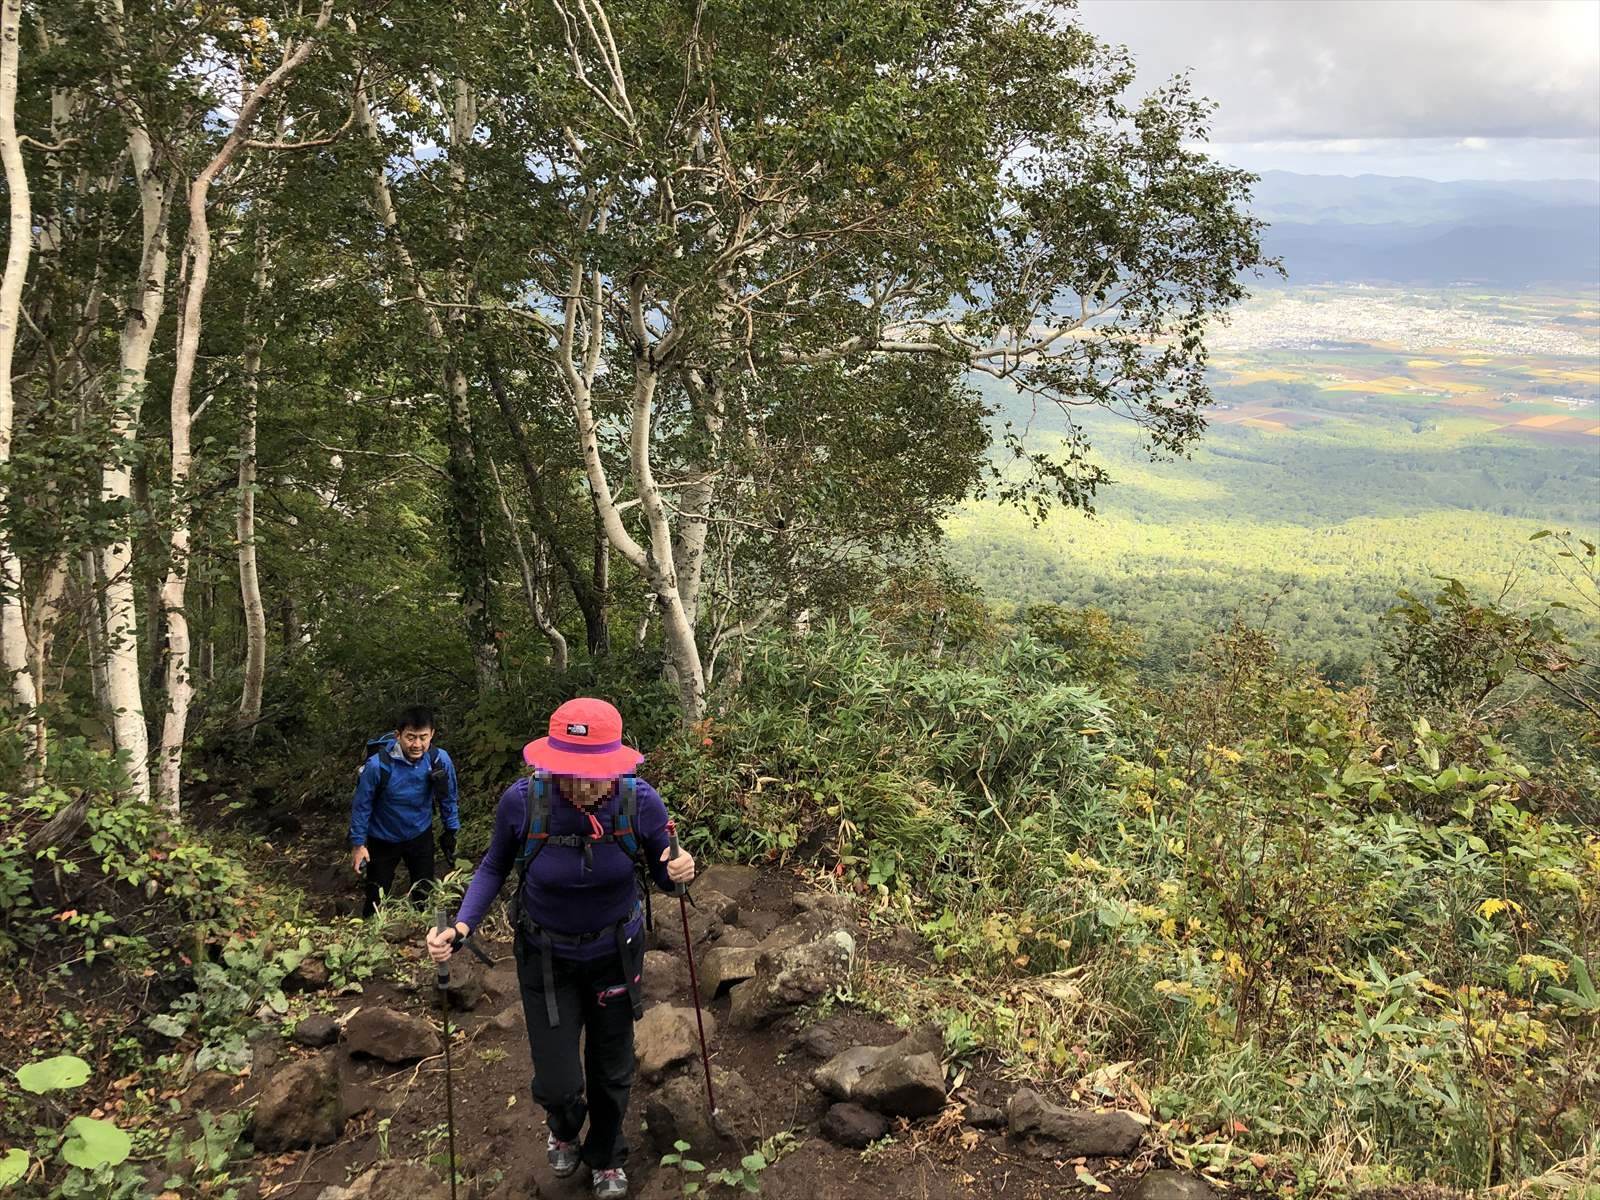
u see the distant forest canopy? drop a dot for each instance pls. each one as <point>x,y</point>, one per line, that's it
<point>1307,532</point>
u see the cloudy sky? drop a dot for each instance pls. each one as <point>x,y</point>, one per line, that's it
<point>1443,89</point>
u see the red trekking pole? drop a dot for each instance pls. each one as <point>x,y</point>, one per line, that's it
<point>688,950</point>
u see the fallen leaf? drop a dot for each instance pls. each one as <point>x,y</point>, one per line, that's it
<point>970,1139</point>
<point>1237,1126</point>
<point>1258,1161</point>
<point>66,914</point>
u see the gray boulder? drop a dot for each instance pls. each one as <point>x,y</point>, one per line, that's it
<point>667,1036</point>
<point>786,979</point>
<point>465,986</point>
<point>723,966</point>
<point>1072,1132</point>
<point>677,1112</point>
<point>717,904</point>
<point>839,1075</point>
<point>727,878</point>
<point>391,1036</point>
<point>852,1126</point>
<point>300,1106</point>
<point>311,975</point>
<point>666,976</point>
<point>902,1085</point>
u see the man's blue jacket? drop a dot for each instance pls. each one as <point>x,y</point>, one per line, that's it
<point>393,802</point>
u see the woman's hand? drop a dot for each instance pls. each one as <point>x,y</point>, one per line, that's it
<point>680,869</point>
<point>442,942</point>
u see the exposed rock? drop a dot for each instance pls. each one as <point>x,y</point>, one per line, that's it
<point>902,1085</point>
<point>852,1126</point>
<point>825,902</point>
<point>759,922</point>
<point>709,900</point>
<point>465,987</point>
<point>666,1036</point>
<point>730,880</point>
<point>807,927</point>
<point>317,1030</point>
<point>391,1181</point>
<point>1171,1185</point>
<point>839,1075</point>
<point>985,1116</point>
<point>789,978</point>
<point>300,1106</point>
<point>677,1112</point>
<point>265,1051</point>
<point>723,966</point>
<point>925,1039</point>
<point>508,1020</point>
<point>1093,1134</point>
<point>310,976</point>
<point>824,1040</point>
<point>666,976</point>
<point>394,1037</point>
<point>501,983</point>
<point>703,927</point>
<point>737,935</point>
<point>902,941</point>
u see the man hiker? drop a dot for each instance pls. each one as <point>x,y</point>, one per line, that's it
<point>576,832</point>
<point>391,814</point>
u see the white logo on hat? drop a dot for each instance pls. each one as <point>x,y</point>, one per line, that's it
<point>577,730</point>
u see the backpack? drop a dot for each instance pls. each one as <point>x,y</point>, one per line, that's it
<point>624,832</point>
<point>438,777</point>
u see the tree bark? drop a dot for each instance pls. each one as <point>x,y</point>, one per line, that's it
<point>13,623</point>
<point>255,613</point>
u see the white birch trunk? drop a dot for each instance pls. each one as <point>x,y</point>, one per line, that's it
<point>531,590</point>
<point>180,689</point>
<point>255,612</point>
<point>13,624</point>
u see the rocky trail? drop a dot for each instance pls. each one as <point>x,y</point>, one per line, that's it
<point>350,1101</point>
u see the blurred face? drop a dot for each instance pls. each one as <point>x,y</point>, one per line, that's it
<point>585,793</point>
<point>414,743</point>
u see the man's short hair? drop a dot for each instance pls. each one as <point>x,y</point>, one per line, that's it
<point>417,716</point>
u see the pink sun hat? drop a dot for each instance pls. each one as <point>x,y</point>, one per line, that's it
<point>585,740</point>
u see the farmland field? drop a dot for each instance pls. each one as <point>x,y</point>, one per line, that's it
<point>1336,469</point>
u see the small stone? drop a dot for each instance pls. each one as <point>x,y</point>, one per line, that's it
<point>508,1020</point>
<point>839,1075</point>
<point>1092,1134</point>
<point>824,1040</point>
<point>465,986</point>
<point>902,1085</point>
<point>392,1036</point>
<point>310,976</point>
<point>724,966</point>
<point>666,1036</point>
<point>317,1030</point>
<point>723,907</point>
<point>1171,1185</point>
<point>300,1106</point>
<point>985,1116</point>
<point>852,1126</point>
<point>391,1181</point>
<point>825,902</point>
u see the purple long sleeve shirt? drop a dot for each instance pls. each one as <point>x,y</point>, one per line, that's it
<point>561,894</point>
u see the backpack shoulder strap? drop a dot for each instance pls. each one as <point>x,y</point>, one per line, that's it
<point>535,819</point>
<point>625,828</point>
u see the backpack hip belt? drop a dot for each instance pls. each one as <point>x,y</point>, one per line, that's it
<point>548,943</point>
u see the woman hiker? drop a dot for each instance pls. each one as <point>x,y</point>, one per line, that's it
<point>575,830</point>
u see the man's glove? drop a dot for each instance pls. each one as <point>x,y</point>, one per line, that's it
<point>447,846</point>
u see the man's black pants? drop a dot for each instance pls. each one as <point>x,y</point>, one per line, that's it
<point>386,856</point>
<point>559,1078</point>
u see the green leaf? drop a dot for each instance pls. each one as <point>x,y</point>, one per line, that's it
<point>753,1162</point>
<point>53,1074</point>
<point>13,1166</point>
<point>94,1144</point>
<point>172,1025</point>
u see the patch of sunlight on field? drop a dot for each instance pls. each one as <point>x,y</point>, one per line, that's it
<point>1542,422</point>
<point>1389,385</point>
<point>1426,364</point>
<point>1265,375</point>
<point>1569,376</point>
<point>1476,362</point>
<point>1264,423</point>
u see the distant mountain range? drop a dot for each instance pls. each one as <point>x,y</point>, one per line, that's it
<point>1383,229</point>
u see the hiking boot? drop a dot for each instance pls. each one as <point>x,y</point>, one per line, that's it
<point>610,1184</point>
<point>563,1157</point>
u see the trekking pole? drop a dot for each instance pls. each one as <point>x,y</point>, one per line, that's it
<point>441,981</point>
<point>688,949</point>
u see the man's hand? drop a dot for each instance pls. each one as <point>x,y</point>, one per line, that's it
<point>359,859</point>
<point>680,869</point>
<point>442,942</point>
<point>447,847</point>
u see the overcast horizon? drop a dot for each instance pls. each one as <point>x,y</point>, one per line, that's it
<point>1448,90</point>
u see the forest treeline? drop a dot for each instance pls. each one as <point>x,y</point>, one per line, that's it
<point>376,337</point>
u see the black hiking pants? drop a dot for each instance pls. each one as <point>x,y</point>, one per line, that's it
<point>596,1087</point>
<point>387,856</point>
